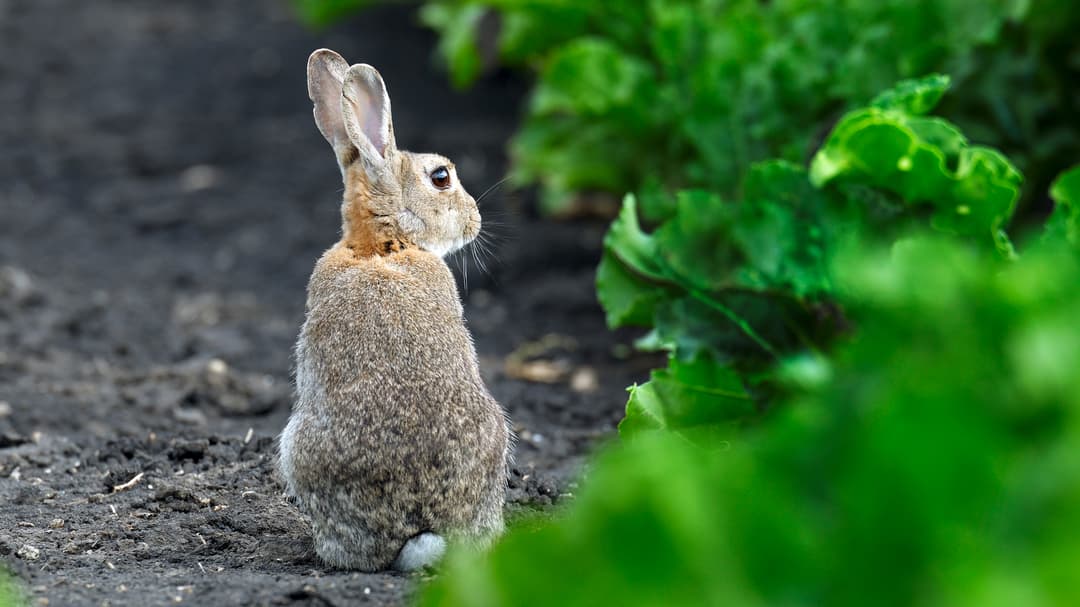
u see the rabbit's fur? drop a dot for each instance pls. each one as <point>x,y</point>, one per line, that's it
<point>393,438</point>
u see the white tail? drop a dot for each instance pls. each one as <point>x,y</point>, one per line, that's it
<point>423,550</point>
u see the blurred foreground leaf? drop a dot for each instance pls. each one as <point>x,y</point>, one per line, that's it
<point>936,463</point>
<point>10,593</point>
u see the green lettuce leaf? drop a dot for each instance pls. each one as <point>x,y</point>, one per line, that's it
<point>700,399</point>
<point>926,161</point>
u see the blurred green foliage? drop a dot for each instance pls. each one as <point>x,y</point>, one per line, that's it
<point>931,458</point>
<point>668,94</point>
<point>1065,221</point>
<point>10,593</point>
<point>324,12</point>
<point>935,460</point>
<point>690,93</point>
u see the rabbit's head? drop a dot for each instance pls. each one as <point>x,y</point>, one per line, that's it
<point>393,199</point>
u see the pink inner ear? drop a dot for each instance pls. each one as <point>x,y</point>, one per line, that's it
<point>373,122</point>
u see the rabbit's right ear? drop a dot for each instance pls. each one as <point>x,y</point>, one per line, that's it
<point>325,77</point>
<point>365,106</point>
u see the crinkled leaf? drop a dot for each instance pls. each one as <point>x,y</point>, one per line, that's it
<point>917,96</point>
<point>983,193</point>
<point>698,398</point>
<point>914,157</point>
<point>771,240</point>
<point>751,327</point>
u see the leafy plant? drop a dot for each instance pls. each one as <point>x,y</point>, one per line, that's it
<point>932,461</point>
<point>891,146</point>
<point>675,94</point>
<point>929,460</point>
<point>669,94</point>
<point>738,286</point>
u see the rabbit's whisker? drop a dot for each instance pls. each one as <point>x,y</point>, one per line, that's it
<point>488,191</point>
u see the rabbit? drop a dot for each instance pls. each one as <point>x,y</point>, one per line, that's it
<point>394,444</point>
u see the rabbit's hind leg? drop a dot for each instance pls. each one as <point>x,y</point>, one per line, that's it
<point>346,543</point>
<point>488,523</point>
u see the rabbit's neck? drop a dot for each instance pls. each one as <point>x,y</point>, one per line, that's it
<point>369,225</point>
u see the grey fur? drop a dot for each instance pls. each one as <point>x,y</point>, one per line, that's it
<point>393,435</point>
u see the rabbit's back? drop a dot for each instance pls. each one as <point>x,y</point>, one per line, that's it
<point>394,433</point>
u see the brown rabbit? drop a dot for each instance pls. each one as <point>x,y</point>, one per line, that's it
<point>394,442</point>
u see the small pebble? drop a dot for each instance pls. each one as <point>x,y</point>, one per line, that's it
<point>584,380</point>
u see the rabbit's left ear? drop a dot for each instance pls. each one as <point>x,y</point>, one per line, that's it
<point>325,74</point>
<point>365,109</point>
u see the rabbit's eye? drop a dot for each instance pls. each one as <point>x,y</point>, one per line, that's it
<point>440,178</point>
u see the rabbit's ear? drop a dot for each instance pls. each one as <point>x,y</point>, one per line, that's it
<point>365,108</point>
<point>325,75</point>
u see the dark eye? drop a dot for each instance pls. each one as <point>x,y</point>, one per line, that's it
<point>440,178</point>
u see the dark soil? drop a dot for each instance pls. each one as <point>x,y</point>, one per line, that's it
<point>163,196</point>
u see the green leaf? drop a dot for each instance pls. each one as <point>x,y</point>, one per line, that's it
<point>589,76</point>
<point>892,150</point>
<point>690,244</point>
<point>983,193</point>
<point>529,31</point>
<point>699,398</point>
<point>742,324</point>
<point>568,157</point>
<point>780,231</point>
<point>1065,220</point>
<point>916,97</point>
<point>325,12</point>
<point>636,249</point>
<point>628,299</point>
<point>639,534</point>
<point>630,282</point>
<point>457,42</point>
